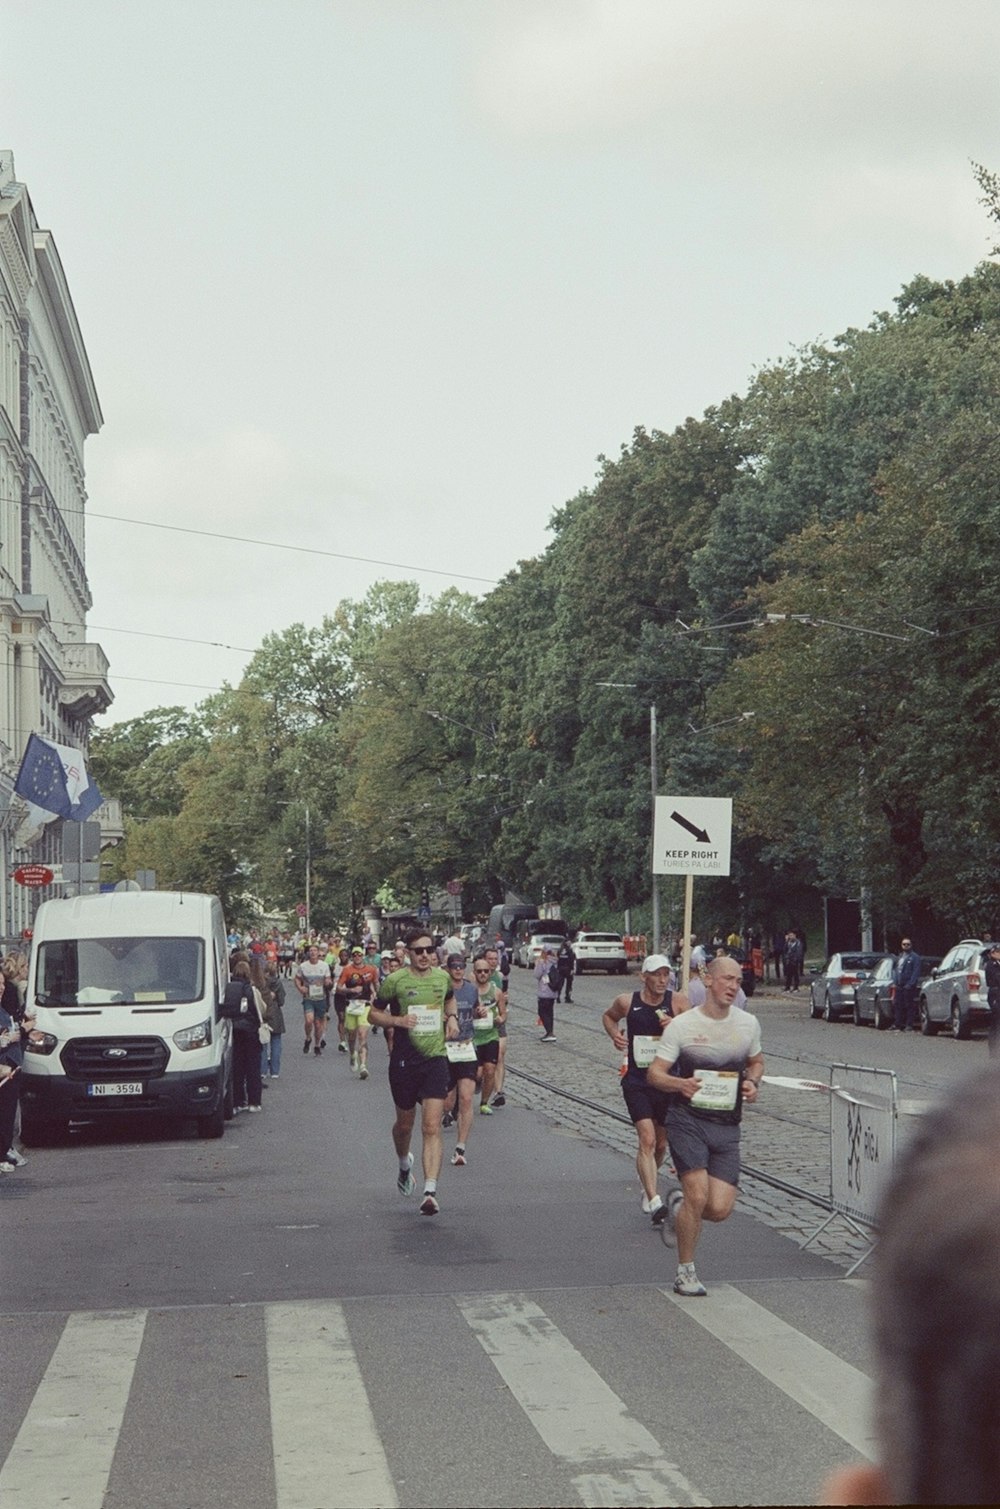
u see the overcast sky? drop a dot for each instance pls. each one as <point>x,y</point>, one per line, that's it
<point>385,278</point>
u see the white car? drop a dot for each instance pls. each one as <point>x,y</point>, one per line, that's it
<point>600,951</point>
<point>529,950</point>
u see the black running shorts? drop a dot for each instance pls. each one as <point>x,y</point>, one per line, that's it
<point>415,1078</point>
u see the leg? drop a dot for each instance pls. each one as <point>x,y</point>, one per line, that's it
<point>362,1038</point>
<point>547,1014</point>
<point>645,1158</point>
<point>253,1072</point>
<point>402,1131</point>
<point>308,1019</point>
<point>466,1091</point>
<point>277,1039</point>
<point>899,1009</point>
<point>501,1065</point>
<point>433,1145</point>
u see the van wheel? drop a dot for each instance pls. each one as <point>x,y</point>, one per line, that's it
<point>38,1131</point>
<point>215,1124</point>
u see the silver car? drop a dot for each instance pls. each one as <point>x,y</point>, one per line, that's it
<point>831,990</point>
<point>954,994</point>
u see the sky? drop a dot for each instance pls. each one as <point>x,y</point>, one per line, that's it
<point>385,279</point>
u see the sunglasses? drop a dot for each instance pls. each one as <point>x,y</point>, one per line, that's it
<point>484,973</point>
<point>419,948</point>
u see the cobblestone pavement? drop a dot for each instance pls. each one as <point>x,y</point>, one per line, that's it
<point>786,1136</point>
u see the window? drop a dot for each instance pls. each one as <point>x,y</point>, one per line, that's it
<point>120,971</point>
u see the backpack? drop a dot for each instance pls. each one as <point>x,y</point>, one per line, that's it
<point>554,978</point>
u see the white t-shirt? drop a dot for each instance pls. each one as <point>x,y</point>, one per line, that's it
<point>715,1050</point>
<point>315,977</point>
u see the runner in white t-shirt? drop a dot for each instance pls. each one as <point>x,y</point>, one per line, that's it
<point>313,981</point>
<point>709,1061</point>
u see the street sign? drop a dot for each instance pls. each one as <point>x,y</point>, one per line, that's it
<point>33,875</point>
<point>692,835</point>
<point>454,888</point>
<point>424,912</point>
<point>301,909</point>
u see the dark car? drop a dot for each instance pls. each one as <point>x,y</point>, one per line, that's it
<point>874,997</point>
<point>831,990</point>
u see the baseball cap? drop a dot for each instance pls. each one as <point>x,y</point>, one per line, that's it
<point>654,961</point>
<point>357,949</point>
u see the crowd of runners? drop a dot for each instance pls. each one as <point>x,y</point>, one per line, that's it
<point>689,1061</point>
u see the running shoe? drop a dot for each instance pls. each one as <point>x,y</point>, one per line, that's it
<point>458,1157</point>
<point>305,1046</point>
<point>252,1109</point>
<point>6,1167</point>
<point>549,1037</point>
<point>447,1120</point>
<point>645,1205</point>
<point>363,1072</point>
<point>658,1211</point>
<point>13,1156</point>
<point>485,1110</point>
<point>317,1051</point>
<point>341,1047</point>
<point>405,1182</point>
<point>498,1100</point>
<point>690,1285</point>
<point>354,1063</point>
<point>429,1205</point>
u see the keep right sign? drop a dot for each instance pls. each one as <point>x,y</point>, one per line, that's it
<point>692,835</point>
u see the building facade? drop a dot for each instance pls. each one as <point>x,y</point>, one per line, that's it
<point>52,680</point>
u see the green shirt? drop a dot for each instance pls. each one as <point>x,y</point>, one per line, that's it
<point>480,1032</point>
<point>403,991</point>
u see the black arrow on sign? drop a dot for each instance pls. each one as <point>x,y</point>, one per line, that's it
<point>699,833</point>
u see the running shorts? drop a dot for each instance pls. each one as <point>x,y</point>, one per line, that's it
<point>643,1103</point>
<point>488,1053</point>
<point>415,1078</point>
<point>695,1142</point>
<point>462,1071</point>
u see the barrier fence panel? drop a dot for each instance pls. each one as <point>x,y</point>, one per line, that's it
<point>863,1120</point>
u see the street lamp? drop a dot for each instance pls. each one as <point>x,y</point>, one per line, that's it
<point>653,768</point>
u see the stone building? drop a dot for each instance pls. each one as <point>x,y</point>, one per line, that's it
<point>52,681</point>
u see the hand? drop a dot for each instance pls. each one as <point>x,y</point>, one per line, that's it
<point>409,1022</point>
<point>688,1087</point>
<point>451,1027</point>
<point>750,1090</point>
<point>620,1041</point>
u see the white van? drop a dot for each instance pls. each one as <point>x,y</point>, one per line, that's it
<point>126,990</point>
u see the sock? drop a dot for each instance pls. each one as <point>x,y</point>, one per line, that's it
<point>684,1269</point>
<point>404,1164</point>
<point>430,1187</point>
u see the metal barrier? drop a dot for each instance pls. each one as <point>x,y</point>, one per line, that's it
<point>864,1118</point>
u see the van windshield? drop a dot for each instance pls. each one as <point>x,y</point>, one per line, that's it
<point>120,971</point>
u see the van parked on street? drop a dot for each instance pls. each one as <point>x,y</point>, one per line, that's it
<point>126,989</point>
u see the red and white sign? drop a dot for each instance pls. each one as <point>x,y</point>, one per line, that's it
<point>301,909</point>
<point>34,875</point>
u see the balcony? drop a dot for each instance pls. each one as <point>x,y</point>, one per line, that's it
<point>85,687</point>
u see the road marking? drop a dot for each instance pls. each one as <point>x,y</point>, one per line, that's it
<point>65,1447</point>
<point>837,1394</point>
<point>335,1457</point>
<point>577,1415</point>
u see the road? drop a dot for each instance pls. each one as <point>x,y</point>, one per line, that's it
<point>265,1319</point>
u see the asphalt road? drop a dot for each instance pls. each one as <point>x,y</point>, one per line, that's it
<point>264,1318</point>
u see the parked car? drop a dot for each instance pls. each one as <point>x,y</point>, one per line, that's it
<point>874,997</point>
<point>529,950</point>
<point>955,992</point>
<point>600,951</point>
<point>831,990</point>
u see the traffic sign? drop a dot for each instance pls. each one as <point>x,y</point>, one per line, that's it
<point>301,909</point>
<point>34,875</point>
<point>454,888</point>
<point>692,835</point>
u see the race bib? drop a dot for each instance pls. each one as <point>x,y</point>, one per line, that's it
<point>460,1053</point>
<point>427,1019</point>
<point>644,1051</point>
<point>720,1090</point>
<point>357,1008</point>
<point>316,991</point>
<point>483,1023</point>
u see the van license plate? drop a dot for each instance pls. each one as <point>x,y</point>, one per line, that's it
<point>128,1087</point>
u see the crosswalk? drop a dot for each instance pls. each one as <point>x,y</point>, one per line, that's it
<point>625,1396</point>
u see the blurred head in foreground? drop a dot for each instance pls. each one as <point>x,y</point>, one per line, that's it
<point>936,1313</point>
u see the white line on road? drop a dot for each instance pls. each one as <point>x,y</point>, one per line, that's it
<point>337,1457</point>
<point>65,1447</point>
<point>834,1392</point>
<point>577,1415</point>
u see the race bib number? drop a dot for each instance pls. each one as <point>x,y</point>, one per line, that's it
<point>357,1008</point>
<point>460,1053</point>
<point>644,1051</point>
<point>316,991</point>
<point>720,1090</point>
<point>427,1019</point>
<point>483,1023</point>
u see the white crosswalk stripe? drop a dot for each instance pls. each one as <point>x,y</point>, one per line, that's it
<point>602,1453</point>
<point>65,1447</point>
<point>833,1391</point>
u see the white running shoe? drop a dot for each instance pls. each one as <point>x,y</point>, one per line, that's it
<point>18,1159</point>
<point>363,1072</point>
<point>405,1182</point>
<point>689,1284</point>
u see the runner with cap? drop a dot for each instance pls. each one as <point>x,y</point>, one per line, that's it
<point>358,983</point>
<point>463,1065</point>
<point>633,1022</point>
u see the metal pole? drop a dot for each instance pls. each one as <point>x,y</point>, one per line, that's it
<point>686,949</point>
<point>308,883</point>
<point>653,768</point>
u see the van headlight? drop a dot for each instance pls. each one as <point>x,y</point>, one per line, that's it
<point>194,1037</point>
<point>40,1042</point>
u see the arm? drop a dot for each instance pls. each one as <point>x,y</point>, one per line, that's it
<point>300,985</point>
<point>611,1018</point>
<point>660,1076</point>
<point>753,1077</point>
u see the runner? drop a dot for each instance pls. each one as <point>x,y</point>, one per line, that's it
<point>715,1051</point>
<point>420,1008</point>
<point>462,1058</point>
<point>645,1013</point>
<point>499,979</point>
<point>490,1017</point>
<point>312,980</point>
<point>357,983</point>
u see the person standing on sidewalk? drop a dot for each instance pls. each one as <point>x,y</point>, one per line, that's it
<point>905,977</point>
<point>566,960</point>
<point>547,992</point>
<point>709,1061</point>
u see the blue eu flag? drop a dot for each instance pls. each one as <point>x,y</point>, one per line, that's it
<point>41,778</point>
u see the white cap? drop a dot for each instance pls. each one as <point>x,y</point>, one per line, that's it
<point>654,961</point>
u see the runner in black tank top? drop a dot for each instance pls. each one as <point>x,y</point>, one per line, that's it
<point>634,1022</point>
